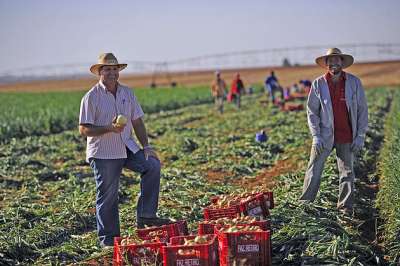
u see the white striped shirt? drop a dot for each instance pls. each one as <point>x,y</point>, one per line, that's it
<point>99,107</point>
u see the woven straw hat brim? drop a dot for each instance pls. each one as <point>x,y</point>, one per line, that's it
<point>348,60</point>
<point>95,68</point>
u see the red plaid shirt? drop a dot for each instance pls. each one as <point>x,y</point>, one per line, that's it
<point>341,120</point>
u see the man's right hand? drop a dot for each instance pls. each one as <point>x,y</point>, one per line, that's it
<point>318,145</point>
<point>115,127</point>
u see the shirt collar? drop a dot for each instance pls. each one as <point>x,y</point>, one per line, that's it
<point>104,88</point>
<point>328,76</point>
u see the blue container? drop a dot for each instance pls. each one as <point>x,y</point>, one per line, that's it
<point>261,136</point>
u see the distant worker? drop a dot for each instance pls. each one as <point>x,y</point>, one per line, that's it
<point>286,94</point>
<point>218,91</point>
<point>337,115</point>
<point>237,89</point>
<point>295,88</point>
<point>272,85</point>
<point>305,86</point>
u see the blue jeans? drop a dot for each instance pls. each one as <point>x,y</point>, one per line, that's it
<point>271,91</point>
<point>107,173</point>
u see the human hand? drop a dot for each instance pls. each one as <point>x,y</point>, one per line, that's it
<point>148,151</point>
<point>318,145</point>
<point>357,145</point>
<point>116,127</point>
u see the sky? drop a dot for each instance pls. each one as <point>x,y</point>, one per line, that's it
<point>49,32</point>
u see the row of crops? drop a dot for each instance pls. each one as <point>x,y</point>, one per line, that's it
<point>47,190</point>
<point>388,200</point>
<point>316,235</point>
<point>27,114</point>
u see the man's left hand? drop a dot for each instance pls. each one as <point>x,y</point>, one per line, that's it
<point>148,151</point>
<point>357,145</point>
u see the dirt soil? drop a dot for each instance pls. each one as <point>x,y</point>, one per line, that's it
<point>371,74</point>
<point>266,179</point>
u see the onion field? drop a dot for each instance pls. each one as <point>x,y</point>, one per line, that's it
<point>47,190</point>
<point>29,113</point>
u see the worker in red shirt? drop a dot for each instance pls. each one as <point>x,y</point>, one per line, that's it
<point>237,89</point>
<point>337,115</point>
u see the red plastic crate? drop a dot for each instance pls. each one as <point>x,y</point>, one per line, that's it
<point>298,95</point>
<point>216,213</point>
<point>269,199</point>
<point>205,228</point>
<point>208,228</point>
<point>214,199</point>
<point>233,201</point>
<point>292,107</point>
<point>198,254</point>
<point>165,232</point>
<point>244,248</point>
<point>258,204</point>
<point>137,254</point>
<point>182,227</point>
<point>255,206</point>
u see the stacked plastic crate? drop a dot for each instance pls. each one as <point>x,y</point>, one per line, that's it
<point>236,231</point>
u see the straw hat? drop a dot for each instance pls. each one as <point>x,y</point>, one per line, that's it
<point>106,59</point>
<point>348,60</point>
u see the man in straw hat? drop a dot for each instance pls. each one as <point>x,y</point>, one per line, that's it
<point>337,115</point>
<point>111,147</point>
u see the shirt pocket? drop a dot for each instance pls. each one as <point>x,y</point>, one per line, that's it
<point>326,104</point>
<point>124,106</point>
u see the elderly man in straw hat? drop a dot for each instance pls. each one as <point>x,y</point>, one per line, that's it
<point>337,115</point>
<point>111,147</point>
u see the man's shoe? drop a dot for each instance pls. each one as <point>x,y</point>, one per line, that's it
<point>142,222</point>
<point>345,216</point>
<point>303,202</point>
<point>346,212</point>
<point>107,248</point>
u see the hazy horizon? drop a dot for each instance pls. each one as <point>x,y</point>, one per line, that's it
<point>45,32</point>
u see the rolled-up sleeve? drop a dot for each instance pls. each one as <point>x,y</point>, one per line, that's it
<point>137,111</point>
<point>87,111</point>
